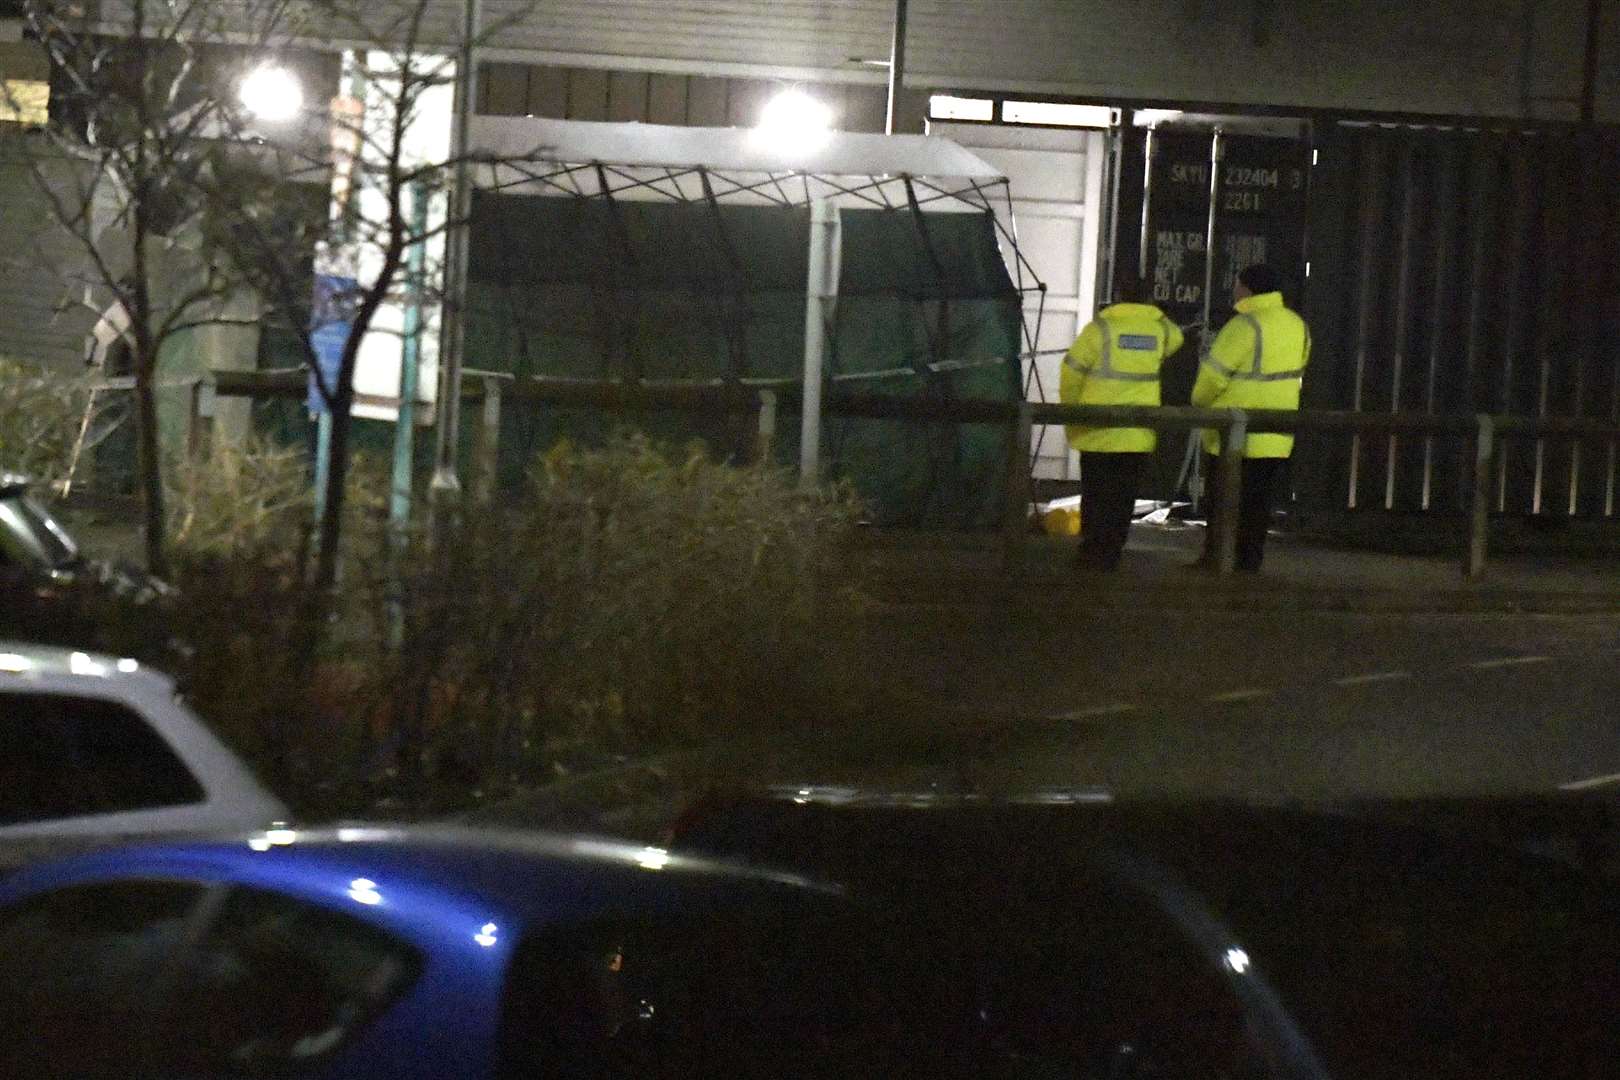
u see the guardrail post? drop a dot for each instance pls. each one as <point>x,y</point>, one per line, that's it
<point>1479,504</point>
<point>1233,441</point>
<point>200,422</point>
<point>766,441</point>
<point>487,442</point>
<point>1015,514</point>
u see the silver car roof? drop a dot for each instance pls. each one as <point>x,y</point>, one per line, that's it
<point>20,659</point>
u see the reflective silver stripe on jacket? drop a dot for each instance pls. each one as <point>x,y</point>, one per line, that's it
<point>1254,374</point>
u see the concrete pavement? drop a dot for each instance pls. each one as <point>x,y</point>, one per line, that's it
<point>1299,575</point>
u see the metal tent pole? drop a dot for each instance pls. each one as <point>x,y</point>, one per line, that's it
<point>446,481</point>
<point>399,502</point>
<point>1217,151</point>
<point>1116,165</point>
<point>897,65</point>
<point>1147,202</point>
<point>399,506</point>
<point>821,297</point>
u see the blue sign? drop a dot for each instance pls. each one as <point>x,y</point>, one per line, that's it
<point>331,322</point>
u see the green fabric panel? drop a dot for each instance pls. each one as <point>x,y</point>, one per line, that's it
<point>582,288</point>
<point>281,420</point>
<point>945,256</point>
<point>114,457</point>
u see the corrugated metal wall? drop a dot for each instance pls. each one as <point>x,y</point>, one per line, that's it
<point>1460,272</point>
<point>1498,58</point>
<point>1260,216</point>
<point>817,35</point>
<point>35,258</point>
<point>1454,57</point>
<point>573,93</point>
<point>739,36</point>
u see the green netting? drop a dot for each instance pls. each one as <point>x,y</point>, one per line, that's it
<point>592,289</point>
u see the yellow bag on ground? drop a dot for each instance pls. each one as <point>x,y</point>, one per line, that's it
<point>1062,517</point>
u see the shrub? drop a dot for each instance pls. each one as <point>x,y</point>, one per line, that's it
<point>260,660</point>
<point>626,601</point>
<point>42,412</point>
<point>243,499</point>
<point>632,600</point>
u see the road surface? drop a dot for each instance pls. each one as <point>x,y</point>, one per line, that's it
<point>1317,706</point>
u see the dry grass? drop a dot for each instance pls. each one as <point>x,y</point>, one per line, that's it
<point>41,413</point>
<point>631,600</point>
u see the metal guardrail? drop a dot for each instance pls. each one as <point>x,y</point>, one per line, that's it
<point>763,397</point>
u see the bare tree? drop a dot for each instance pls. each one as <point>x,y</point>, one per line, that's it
<point>390,196</point>
<point>132,113</point>
<point>161,147</point>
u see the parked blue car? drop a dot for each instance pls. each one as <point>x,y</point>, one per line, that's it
<point>362,952</point>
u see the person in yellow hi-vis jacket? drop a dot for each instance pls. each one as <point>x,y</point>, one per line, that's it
<point>1258,361</point>
<point>1114,361</point>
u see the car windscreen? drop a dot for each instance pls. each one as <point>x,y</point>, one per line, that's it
<point>754,985</point>
<point>810,987</point>
<point>1396,955</point>
<point>1403,955</point>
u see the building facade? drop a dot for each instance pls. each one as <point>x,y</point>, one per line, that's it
<point>1433,99</point>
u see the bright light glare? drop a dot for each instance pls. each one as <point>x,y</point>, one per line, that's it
<point>271,94</point>
<point>81,664</point>
<point>364,891</point>
<point>1237,960</point>
<point>14,663</point>
<point>653,858</point>
<point>486,935</point>
<point>794,122</point>
<point>128,666</point>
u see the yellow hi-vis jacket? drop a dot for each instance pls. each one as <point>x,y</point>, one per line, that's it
<point>1115,361</point>
<point>1257,362</point>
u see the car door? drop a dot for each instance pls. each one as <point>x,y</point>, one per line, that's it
<point>276,985</point>
<point>185,980</point>
<point>77,966</point>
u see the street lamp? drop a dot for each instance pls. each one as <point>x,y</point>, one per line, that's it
<point>794,122</point>
<point>271,93</point>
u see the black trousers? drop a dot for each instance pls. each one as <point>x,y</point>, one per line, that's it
<point>1254,508</point>
<point>1107,498</point>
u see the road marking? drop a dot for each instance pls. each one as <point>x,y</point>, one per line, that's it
<point>1591,782</point>
<point>1116,709</point>
<point>1377,676</point>
<point>1238,695</point>
<point>1509,661</point>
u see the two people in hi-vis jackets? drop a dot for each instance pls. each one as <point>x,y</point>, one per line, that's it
<point>1257,361</point>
